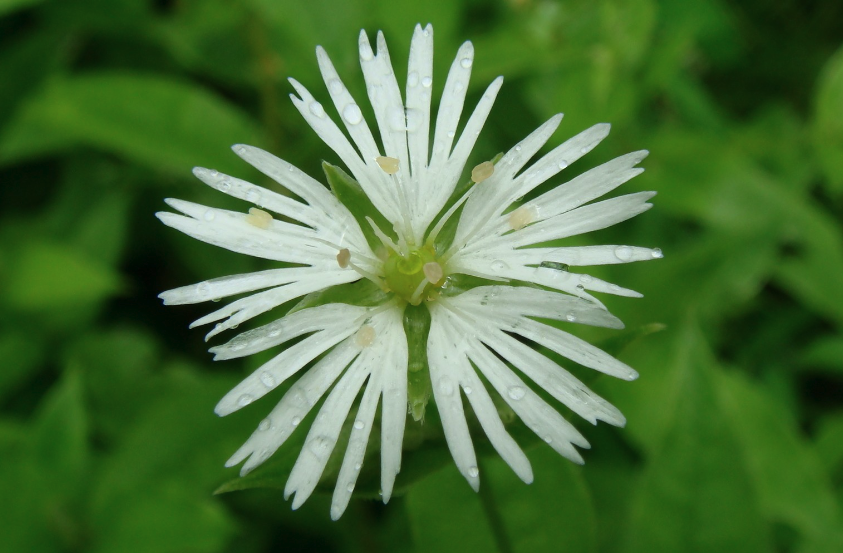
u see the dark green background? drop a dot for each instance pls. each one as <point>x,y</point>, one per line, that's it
<point>108,442</point>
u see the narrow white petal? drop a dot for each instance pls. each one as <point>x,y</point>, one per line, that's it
<point>274,430</point>
<point>258,195</point>
<point>393,375</point>
<point>450,107</point>
<point>244,309</point>
<point>222,287</point>
<point>419,86</point>
<point>446,393</point>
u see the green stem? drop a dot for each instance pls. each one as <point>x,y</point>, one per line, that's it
<point>493,515</point>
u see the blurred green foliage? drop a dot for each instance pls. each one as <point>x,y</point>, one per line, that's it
<point>735,429</point>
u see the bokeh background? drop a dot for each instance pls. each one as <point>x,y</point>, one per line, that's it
<point>734,441</point>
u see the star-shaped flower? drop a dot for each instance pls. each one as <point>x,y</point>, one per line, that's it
<point>414,284</point>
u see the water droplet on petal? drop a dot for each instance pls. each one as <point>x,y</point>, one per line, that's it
<point>245,400</point>
<point>357,466</point>
<point>213,172</point>
<point>516,392</point>
<point>473,472</point>
<point>241,149</point>
<point>350,488</point>
<point>359,425</point>
<point>467,390</point>
<point>466,62</point>
<point>203,288</point>
<point>296,421</point>
<point>352,114</point>
<point>253,195</point>
<point>548,439</point>
<point>426,82</point>
<point>335,86</point>
<point>563,164</point>
<point>518,148</point>
<point>585,279</point>
<point>209,215</point>
<point>224,185</point>
<point>321,446</point>
<point>499,265</point>
<point>317,109</point>
<point>657,253</point>
<point>267,379</point>
<point>458,86</point>
<point>264,425</point>
<point>624,253</point>
<point>571,318</point>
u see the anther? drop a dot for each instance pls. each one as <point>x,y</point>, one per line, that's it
<point>482,171</point>
<point>388,164</point>
<point>343,257</point>
<point>433,272</point>
<point>259,218</point>
<point>521,217</point>
<point>365,336</point>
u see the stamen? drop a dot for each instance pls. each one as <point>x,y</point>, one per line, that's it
<point>371,276</point>
<point>388,164</point>
<point>415,299</point>
<point>385,240</point>
<point>433,272</point>
<point>343,258</point>
<point>259,218</point>
<point>482,171</point>
<point>365,336</point>
<point>521,217</point>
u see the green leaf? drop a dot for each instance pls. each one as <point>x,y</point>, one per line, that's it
<point>48,276</point>
<point>787,473</point>
<point>825,354</point>
<point>60,436</point>
<point>22,353</point>
<point>362,292</point>
<point>828,123</point>
<point>619,342</point>
<point>8,6</point>
<point>165,124</point>
<point>695,495</point>
<point>351,194</point>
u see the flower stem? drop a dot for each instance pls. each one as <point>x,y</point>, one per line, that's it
<point>493,515</point>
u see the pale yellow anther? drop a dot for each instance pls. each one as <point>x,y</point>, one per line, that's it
<point>388,164</point>
<point>521,217</point>
<point>482,171</point>
<point>343,257</point>
<point>259,218</point>
<point>433,272</point>
<point>365,336</point>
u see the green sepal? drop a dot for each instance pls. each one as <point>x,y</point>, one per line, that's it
<point>363,292</point>
<point>417,328</point>
<point>351,194</point>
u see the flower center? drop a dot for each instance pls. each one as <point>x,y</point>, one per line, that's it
<point>415,276</point>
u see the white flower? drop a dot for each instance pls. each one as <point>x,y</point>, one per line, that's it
<point>349,348</point>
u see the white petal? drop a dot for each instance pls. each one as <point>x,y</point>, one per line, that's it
<point>293,407</point>
<point>419,81</point>
<point>450,107</point>
<point>446,392</point>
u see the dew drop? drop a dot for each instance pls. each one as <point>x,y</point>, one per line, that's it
<point>264,425</point>
<point>563,164</point>
<point>366,53</point>
<point>275,333</point>
<point>466,62</point>
<point>245,400</point>
<point>467,390</point>
<point>518,148</point>
<point>446,386</point>
<point>209,215</point>
<point>585,150</point>
<point>359,425</point>
<point>253,195</point>
<point>585,279</point>
<point>296,421</point>
<point>351,114</point>
<point>624,253</point>
<point>451,134</point>
<point>267,379</point>
<point>317,109</point>
<point>657,253</point>
<point>213,172</point>
<point>224,185</point>
<point>203,289</point>
<point>320,446</point>
<point>473,472</point>
<point>426,82</point>
<point>413,79</point>
<point>241,150</point>
<point>357,466</point>
<point>335,86</point>
<point>499,265</point>
<point>516,392</point>
<point>571,318</point>
<point>548,439</point>
<point>458,87</point>
<point>350,488</point>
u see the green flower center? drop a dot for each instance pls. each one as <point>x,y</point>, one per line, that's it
<point>415,276</point>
